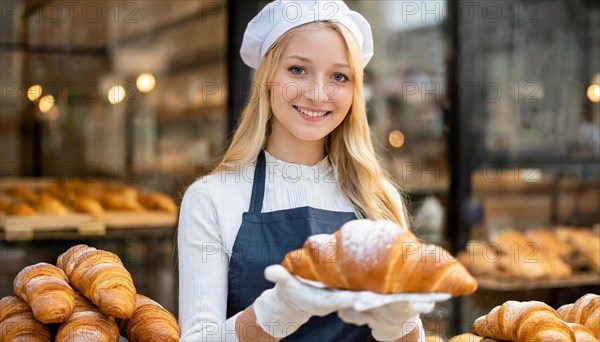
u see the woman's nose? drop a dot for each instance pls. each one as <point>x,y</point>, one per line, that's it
<point>317,91</point>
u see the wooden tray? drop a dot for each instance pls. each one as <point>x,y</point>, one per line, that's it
<point>577,279</point>
<point>25,227</point>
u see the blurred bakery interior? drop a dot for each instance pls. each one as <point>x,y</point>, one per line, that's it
<point>485,113</point>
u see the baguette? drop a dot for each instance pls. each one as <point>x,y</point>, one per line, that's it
<point>46,289</point>
<point>380,257</point>
<point>101,277</point>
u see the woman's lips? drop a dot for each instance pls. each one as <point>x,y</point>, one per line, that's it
<point>311,114</point>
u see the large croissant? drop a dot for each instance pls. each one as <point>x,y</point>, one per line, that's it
<point>18,324</point>
<point>101,277</point>
<point>150,322</point>
<point>87,324</point>
<point>585,311</point>
<point>582,333</point>
<point>46,289</point>
<point>523,321</point>
<point>380,257</point>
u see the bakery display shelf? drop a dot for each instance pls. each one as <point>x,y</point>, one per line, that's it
<point>577,279</point>
<point>23,228</point>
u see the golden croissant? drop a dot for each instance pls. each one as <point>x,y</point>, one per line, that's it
<point>582,333</point>
<point>381,257</point>
<point>150,322</point>
<point>87,204</point>
<point>158,201</point>
<point>523,321</point>
<point>18,324</point>
<point>101,277</point>
<point>585,311</point>
<point>46,289</point>
<point>87,324</point>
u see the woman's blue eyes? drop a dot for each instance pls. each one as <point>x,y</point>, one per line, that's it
<point>296,70</point>
<point>340,77</point>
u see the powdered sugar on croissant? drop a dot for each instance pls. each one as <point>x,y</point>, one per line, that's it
<point>379,256</point>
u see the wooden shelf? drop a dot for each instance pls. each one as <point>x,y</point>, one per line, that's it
<point>24,228</point>
<point>578,279</point>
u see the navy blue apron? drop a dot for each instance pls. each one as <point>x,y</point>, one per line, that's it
<point>264,239</point>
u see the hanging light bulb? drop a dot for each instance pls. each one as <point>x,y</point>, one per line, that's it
<point>396,138</point>
<point>146,82</point>
<point>46,103</point>
<point>593,93</point>
<point>34,92</point>
<point>116,94</point>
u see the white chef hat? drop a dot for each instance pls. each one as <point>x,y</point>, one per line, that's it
<point>280,16</point>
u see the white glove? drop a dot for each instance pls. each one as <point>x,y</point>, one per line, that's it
<point>280,311</point>
<point>389,322</point>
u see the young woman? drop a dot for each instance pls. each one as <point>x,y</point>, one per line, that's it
<point>300,163</point>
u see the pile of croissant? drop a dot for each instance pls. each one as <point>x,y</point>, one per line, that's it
<point>381,257</point>
<point>536,254</point>
<point>536,321</point>
<point>92,198</point>
<point>87,296</point>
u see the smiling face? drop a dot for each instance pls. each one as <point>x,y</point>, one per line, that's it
<point>312,88</point>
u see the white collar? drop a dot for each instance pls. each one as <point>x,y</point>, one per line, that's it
<point>294,172</point>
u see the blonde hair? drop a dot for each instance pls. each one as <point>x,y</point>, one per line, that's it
<point>349,145</point>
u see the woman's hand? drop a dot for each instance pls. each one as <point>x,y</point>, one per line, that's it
<point>283,309</point>
<point>389,322</point>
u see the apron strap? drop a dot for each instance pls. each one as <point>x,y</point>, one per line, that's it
<point>258,184</point>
